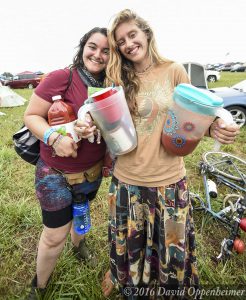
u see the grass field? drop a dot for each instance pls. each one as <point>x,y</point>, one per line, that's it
<point>20,223</point>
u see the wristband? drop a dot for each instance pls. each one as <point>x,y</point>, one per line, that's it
<point>57,142</point>
<point>55,139</point>
<point>47,134</point>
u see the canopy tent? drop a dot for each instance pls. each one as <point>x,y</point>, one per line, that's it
<point>25,72</point>
<point>8,98</point>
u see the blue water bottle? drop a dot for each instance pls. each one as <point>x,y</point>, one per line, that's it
<point>81,214</point>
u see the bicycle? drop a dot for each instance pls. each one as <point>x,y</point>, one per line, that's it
<point>230,171</point>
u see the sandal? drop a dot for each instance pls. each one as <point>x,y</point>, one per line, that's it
<point>35,292</point>
<point>82,252</point>
<point>107,284</point>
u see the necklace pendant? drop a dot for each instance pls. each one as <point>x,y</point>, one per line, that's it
<point>146,69</point>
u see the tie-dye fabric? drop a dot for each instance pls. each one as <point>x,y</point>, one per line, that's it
<point>52,189</point>
<point>151,236</point>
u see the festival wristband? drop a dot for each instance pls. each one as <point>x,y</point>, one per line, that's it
<point>57,142</point>
<point>47,134</point>
<point>55,139</point>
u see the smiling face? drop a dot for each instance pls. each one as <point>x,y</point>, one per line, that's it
<point>132,42</point>
<point>96,53</point>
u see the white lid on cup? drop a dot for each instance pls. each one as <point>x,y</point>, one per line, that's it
<point>57,97</point>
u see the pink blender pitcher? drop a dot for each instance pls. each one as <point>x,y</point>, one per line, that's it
<point>192,113</point>
<point>110,113</point>
<point>113,112</point>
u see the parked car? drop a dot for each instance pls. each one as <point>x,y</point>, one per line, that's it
<point>25,80</point>
<point>212,75</point>
<point>215,67</point>
<point>239,68</point>
<point>226,67</point>
<point>234,98</point>
<point>2,79</point>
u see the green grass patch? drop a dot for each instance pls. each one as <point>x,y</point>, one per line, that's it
<point>228,79</point>
<point>20,223</point>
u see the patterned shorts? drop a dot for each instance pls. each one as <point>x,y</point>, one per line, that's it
<point>55,196</point>
<point>151,236</point>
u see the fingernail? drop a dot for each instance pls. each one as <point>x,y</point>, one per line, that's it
<point>88,118</point>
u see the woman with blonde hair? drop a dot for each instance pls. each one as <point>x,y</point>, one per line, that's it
<point>151,230</point>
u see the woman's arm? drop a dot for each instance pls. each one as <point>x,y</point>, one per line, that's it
<point>35,118</point>
<point>36,114</point>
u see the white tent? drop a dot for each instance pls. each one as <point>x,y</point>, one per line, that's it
<point>9,98</point>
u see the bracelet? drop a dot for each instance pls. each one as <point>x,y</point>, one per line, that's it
<point>47,134</point>
<point>57,142</point>
<point>55,139</point>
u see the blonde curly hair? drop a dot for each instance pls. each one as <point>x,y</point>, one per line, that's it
<point>120,71</point>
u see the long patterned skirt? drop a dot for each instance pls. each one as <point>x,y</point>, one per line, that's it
<point>151,238</point>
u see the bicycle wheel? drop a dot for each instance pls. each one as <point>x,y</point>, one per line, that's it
<point>226,164</point>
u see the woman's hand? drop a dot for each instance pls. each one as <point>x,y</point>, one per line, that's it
<point>65,147</point>
<point>223,133</point>
<point>85,129</point>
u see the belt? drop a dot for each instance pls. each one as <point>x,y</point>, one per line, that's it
<point>90,175</point>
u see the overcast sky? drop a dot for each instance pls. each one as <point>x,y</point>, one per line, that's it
<point>43,35</point>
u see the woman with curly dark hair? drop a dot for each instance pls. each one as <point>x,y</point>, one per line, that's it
<point>62,162</point>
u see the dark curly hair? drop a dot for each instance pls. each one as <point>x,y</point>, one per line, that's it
<point>78,58</point>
